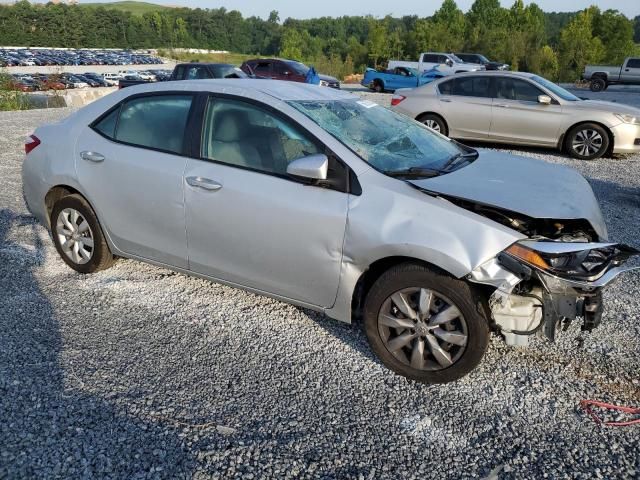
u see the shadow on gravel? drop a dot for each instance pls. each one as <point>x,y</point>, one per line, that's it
<point>49,429</point>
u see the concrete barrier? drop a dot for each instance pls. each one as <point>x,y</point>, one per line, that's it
<point>68,98</point>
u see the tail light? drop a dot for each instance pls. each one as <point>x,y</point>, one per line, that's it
<point>30,143</point>
<point>396,99</point>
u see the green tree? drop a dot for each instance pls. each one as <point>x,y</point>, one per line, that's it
<point>578,46</point>
<point>616,33</point>
<point>291,44</point>
<point>377,42</point>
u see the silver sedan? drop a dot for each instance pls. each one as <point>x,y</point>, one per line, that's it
<point>522,109</point>
<point>333,203</point>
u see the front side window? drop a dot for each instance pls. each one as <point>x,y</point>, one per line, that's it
<point>197,73</point>
<point>246,135</point>
<point>158,122</point>
<point>516,89</point>
<point>384,139</point>
<point>633,63</point>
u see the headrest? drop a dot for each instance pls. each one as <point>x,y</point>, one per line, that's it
<point>229,125</point>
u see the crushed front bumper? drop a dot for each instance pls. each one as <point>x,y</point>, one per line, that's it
<point>528,300</point>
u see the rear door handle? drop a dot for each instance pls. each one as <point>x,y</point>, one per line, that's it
<point>502,105</point>
<point>92,156</point>
<point>204,183</point>
<point>445,100</point>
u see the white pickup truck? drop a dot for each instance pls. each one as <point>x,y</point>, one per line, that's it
<point>446,62</point>
<point>601,76</point>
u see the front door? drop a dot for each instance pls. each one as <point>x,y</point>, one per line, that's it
<point>518,117</point>
<point>131,165</point>
<point>250,224</point>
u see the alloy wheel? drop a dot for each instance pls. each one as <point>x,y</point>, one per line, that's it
<point>75,236</point>
<point>433,125</point>
<point>587,142</point>
<point>422,329</point>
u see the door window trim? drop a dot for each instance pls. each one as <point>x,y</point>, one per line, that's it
<point>494,91</point>
<point>186,140</point>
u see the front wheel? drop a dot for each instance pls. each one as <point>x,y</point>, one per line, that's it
<point>587,141</point>
<point>425,325</point>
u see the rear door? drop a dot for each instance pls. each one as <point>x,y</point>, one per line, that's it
<point>467,106</point>
<point>131,163</point>
<point>631,71</point>
<point>518,117</point>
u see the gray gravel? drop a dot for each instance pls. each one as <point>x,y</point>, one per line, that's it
<point>137,372</point>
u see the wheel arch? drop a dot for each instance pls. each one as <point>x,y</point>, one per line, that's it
<point>370,274</point>
<point>562,142</point>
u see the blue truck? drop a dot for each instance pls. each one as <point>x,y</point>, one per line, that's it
<point>398,77</point>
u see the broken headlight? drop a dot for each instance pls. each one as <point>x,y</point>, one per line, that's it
<point>571,260</point>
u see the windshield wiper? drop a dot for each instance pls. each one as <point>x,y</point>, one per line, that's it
<point>469,156</point>
<point>414,172</point>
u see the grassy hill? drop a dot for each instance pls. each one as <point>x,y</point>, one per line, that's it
<point>135,8</point>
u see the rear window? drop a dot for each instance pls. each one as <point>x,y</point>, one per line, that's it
<point>157,122</point>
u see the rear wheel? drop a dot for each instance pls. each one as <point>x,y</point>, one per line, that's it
<point>378,86</point>
<point>597,85</point>
<point>425,325</point>
<point>78,237</point>
<point>587,141</point>
<point>434,122</point>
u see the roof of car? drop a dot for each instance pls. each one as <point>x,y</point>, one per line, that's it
<point>497,72</point>
<point>280,89</point>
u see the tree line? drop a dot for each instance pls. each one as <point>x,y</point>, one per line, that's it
<point>556,45</point>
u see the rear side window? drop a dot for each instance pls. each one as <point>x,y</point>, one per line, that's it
<point>197,73</point>
<point>158,122</point>
<point>262,67</point>
<point>471,87</point>
<point>633,63</point>
<point>430,58</point>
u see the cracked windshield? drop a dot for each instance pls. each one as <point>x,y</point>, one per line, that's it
<point>384,139</point>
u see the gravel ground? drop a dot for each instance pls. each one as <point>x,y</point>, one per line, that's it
<point>138,372</point>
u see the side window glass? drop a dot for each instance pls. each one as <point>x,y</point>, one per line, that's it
<point>525,91</point>
<point>262,68</point>
<point>505,89</point>
<point>158,122</point>
<point>242,134</point>
<point>446,88</point>
<point>633,63</point>
<point>107,126</point>
<point>471,87</point>
<point>197,73</point>
<point>280,68</point>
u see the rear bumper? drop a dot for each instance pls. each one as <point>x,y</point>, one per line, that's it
<point>626,138</point>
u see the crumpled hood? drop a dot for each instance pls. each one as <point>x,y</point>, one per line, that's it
<point>531,187</point>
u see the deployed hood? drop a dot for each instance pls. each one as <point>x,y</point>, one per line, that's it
<point>534,188</point>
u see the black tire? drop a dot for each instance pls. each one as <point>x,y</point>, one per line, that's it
<point>435,122</point>
<point>595,145</point>
<point>450,290</point>
<point>597,85</point>
<point>378,86</point>
<point>100,257</point>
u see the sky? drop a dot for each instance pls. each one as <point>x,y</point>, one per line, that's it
<point>380,8</point>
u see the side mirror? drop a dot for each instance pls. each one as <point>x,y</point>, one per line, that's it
<point>544,99</point>
<point>312,167</point>
<point>449,62</point>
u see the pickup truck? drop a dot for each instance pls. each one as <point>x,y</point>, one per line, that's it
<point>601,76</point>
<point>399,77</point>
<point>192,71</point>
<point>447,62</point>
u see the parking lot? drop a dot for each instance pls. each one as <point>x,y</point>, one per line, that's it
<point>141,372</point>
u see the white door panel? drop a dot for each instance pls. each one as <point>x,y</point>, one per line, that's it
<point>138,196</point>
<point>265,232</point>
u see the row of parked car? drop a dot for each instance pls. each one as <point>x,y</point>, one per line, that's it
<point>62,81</point>
<point>27,57</point>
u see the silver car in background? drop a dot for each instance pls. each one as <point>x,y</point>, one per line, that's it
<point>522,109</point>
<point>317,198</point>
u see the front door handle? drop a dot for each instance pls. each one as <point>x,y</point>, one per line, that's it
<point>502,105</point>
<point>445,100</point>
<point>92,156</point>
<point>204,183</point>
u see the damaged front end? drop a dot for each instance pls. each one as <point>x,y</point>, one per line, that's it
<point>541,285</point>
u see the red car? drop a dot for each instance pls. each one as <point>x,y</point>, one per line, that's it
<point>281,69</point>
